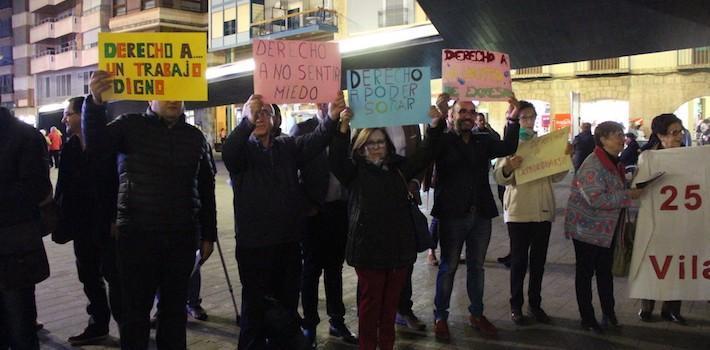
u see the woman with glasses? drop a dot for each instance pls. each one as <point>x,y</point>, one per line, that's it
<point>381,243</point>
<point>667,132</point>
<point>597,196</point>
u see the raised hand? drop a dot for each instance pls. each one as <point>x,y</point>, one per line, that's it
<point>253,107</point>
<point>337,106</point>
<point>100,82</point>
<point>512,163</point>
<point>345,116</point>
<point>513,108</point>
<point>442,103</point>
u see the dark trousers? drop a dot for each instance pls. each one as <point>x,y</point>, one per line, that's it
<point>528,247</point>
<point>379,294</point>
<point>148,262</point>
<point>668,307</point>
<point>96,261</point>
<point>434,231</point>
<point>272,272</point>
<point>17,327</point>
<point>193,289</point>
<point>405,297</point>
<point>54,159</point>
<point>592,260</point>
<point>324,252</point>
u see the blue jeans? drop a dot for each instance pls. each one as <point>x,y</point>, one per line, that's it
<point>17,317</point>
<point>475,231</point>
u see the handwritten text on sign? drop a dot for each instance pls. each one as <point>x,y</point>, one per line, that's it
<point>543,156</point>
<point>476,74</point>
<point>155,66</point>
<point>671,257</point>
<point>290,71</point>
<point>389,96</point>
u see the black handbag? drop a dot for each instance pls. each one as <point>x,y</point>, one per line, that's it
<point>419,222</point>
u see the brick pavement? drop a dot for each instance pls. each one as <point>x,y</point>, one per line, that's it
<point>61,303</point>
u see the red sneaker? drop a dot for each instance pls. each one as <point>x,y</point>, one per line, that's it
<point>482,325</point>
<point>441,330</point>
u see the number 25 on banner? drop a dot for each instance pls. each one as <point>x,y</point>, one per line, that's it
<point>693,200</point>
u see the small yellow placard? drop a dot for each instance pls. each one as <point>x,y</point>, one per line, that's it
<point>155,66</point>
<point>543,156</point>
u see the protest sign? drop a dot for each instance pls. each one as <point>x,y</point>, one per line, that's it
<point>155,66</point>
<point>671,258</point>
<point>292,71</point>
<point>389,96</point>
<point>543,156</point>
<point>476,75</point>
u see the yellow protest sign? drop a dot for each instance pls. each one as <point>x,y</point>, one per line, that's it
<point>155,66</point>
<point>543,156</point>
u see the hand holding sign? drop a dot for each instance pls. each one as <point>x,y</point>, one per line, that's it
<point>337,106</point>
<point>513,108</point>
<point>442,103</point>
<point>345,117</point>
<point>253,107</point>
<point>512,163</point>
<point>101,82</point>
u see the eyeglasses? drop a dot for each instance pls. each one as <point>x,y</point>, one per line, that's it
<point>676,132</point>
<point>375,144</point>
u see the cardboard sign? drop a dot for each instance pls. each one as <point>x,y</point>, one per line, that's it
<point>389,96</point>
<point>671,258</point>
<point>476,75</point>
<point>155,66</point>
<point>543,156</point>
<point>291,71</point>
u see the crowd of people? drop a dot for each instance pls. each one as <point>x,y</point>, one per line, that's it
<point>136,195</point>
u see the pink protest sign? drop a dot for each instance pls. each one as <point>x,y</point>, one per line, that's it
<point>476,74</point>
<point>290,71</point>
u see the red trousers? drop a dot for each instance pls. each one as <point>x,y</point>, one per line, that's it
<point>379,297</point>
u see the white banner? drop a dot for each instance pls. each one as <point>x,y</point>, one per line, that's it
<point>671,259</point>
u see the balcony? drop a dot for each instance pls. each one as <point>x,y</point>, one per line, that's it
<point>617,65</point>
<point>696,58</point>
<point>530,72</point>
<point>159,18</point>
<point>393,16</point>
<point>317,21</point>
<point>36,5</point>
<point>56,27</point>
<point>53,59</point>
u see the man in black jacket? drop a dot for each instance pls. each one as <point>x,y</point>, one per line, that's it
<point>583,145</point>
<point>166,203</point>
<point>464,205</point>
<point>630,155</point>
<point>269,208</point>
<point>86,196</point>
<point>326,230</point>
<point>24,184</point>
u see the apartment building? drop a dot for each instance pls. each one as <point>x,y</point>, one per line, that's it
<point>63,41</point>
<point>6,58</point>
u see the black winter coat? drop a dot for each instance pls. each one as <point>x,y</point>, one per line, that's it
<point>583,146</point>
<point>166,182</point>
<point>380,227</point>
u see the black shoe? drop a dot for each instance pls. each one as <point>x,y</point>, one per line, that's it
<point>673,317</point>
<point>609,321</point>
<point>90,336</point>
<point>593,326</point>
<point>342,331</point>
<point>539,314</point>
<point>505,260</point>
<point>197,312</point>
<point>645,316</point>
<point>38,326</point>
<point>517,317</point>
<point>310,335</point>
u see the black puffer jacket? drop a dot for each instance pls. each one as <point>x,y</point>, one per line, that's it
<point>381,233</point>
<point>166,182</point>
<point>24,172</point>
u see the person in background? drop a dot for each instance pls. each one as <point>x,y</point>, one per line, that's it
<point>464,205</point>
<point>166,209</point>
<point>583,145</point>
<point>86,197</point>
<point>598,194</point>
<point>630,155</point>
<point>55,138</point>
<point>24,186</point>
<point>323,245</point>
<point>381,244</point>
<point>276,121</point>
<point>667,132</point>
<point>529,210</point>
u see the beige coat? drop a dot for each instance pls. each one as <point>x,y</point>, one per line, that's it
<point>530,202</point>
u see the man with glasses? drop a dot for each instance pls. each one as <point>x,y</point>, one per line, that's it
<point>464,205</point>
<point>269,210</point>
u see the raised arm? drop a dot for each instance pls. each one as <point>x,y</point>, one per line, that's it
<point>509,144</point>
<point>312,144</point>
<point>424,155</point>
<point>341,162</point>
<point>100,137</point>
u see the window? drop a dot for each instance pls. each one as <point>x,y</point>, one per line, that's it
<point>191,5</point>
<point>5,55</point>
<point>90,5</point>
<point>6,27</point>
<point>230,27</point>
<point>119,7</point>
<point>87,79</point>
<point>46,87</point>
<point>6,84</point>
<point>148,4</point>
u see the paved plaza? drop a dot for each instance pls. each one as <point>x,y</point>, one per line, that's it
<point>61,302</point>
